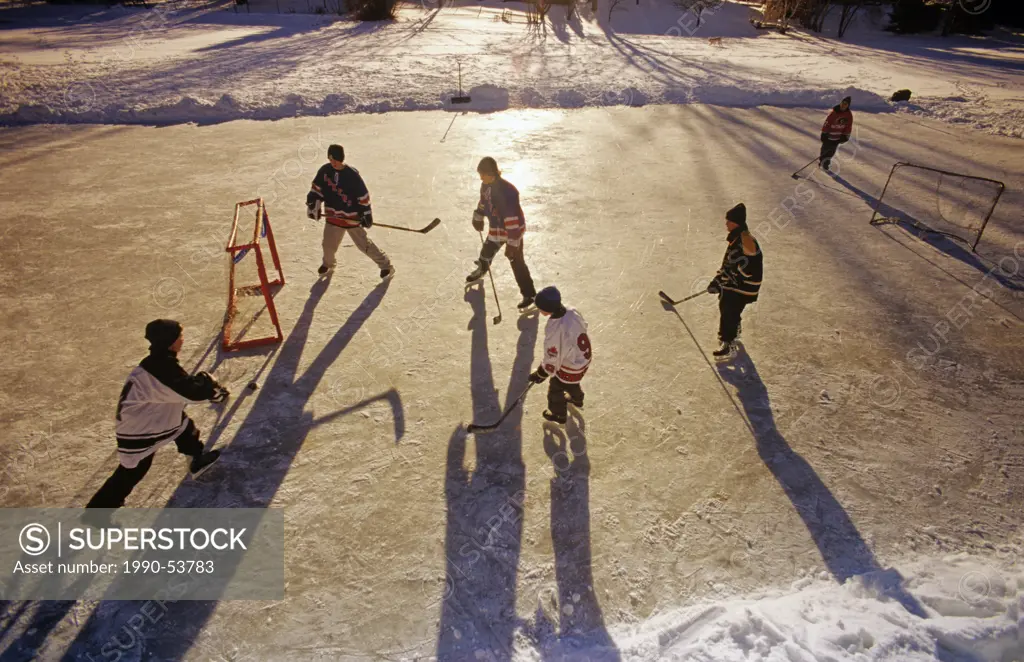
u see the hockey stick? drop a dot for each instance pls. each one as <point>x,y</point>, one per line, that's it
<point>472,427</point>
<point>497,319</point>
<point>796,174</point>
<point>433,224</point>
<point>669,300</point>
<point>430,226</point>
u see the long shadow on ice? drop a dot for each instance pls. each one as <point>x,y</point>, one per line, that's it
<point>483,535</point>
<point>581,629</point>
<point>840,544</point>
<point>253,468</point>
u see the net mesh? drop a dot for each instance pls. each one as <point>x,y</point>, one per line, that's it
<point>954,205</point>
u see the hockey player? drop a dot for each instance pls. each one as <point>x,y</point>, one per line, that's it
<point>836,131</point>
<point>739,279</point>
<point>151,412</point>
<point>342,194</point>
<point>567,355</point>
<point>499,203</point>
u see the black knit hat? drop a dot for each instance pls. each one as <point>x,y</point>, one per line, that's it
<point>161,334</point>
<point>848,100</point>
<point>738,215</point>
<point>488,166</point>
<point>549,299</point>
<point>336,152</point>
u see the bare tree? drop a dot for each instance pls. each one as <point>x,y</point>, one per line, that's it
<point>697,7</point>
<point>782,12</point>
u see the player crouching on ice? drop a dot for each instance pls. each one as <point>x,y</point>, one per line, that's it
<point>151,412</point>
<point>499,203</point>
<point>344,197</point>
<point>835,131</point>
<point>739,279</point>
<point>566,355</point>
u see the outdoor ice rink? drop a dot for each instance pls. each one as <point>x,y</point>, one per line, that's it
<point>875,418</point>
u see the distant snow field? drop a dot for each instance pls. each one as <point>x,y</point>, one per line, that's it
<point>164,66</point>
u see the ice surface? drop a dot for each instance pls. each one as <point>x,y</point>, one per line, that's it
<point>692,510</point>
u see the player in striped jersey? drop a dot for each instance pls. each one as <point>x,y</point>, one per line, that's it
<point>338,191</point>
<point>567,355</point>
<point>499,203</point>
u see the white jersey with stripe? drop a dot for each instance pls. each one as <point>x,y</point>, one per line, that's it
<point>149,415</point>
<point>567,350</point>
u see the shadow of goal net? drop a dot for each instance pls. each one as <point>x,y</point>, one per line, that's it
<point>936,201</point>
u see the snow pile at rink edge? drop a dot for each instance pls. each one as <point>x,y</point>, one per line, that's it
<point>485,98</point>
<point>973,609</point>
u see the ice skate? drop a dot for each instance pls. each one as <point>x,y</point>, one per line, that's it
<point>323,269</point>
<point>525,303</point>
<point>478,273</point>
<point>202,463</point>
<point>575,403</point>
<point>387,273</point>
<point>724,351</point>
<point>554,419</point>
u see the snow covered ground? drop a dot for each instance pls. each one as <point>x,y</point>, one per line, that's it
<point>165,66</point>
<point>758,510</point>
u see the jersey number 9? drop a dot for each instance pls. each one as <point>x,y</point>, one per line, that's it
<point>583,342</point>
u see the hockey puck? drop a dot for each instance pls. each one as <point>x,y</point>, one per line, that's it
<point>253,386</point>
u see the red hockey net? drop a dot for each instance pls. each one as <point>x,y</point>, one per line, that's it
<point>251,318</point>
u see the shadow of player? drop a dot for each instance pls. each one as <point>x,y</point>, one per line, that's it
<point>269,438</point>
<point>483,533</point>
<point>581,632</point>
<point>840,544</point>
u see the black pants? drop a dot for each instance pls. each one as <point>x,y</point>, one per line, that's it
<point>828,150</point>
<point>556,396</point>
<point>730,305</point>
<point>519,268</point>
<point>123,480</point>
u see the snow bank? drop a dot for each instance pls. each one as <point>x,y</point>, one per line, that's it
<point>169,67</point>
<point>973,613</point>
<point>484,98</point>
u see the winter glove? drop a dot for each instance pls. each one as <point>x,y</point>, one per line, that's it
<point>478,221</point>
<point>843,139</point>
<point>220,394</point>
<point>539,375</point>
<point>366,219</point>
<point>313,209</point>
<point>714,287</point>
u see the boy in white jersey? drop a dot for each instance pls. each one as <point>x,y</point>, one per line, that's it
<point>566,355</point>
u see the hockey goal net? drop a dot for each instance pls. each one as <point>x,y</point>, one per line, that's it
<point>932,200</point>
<point>251,319</point>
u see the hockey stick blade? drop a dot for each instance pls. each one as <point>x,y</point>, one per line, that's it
<point>473,427</point>
<point>433,224</point>
<point>675,303</point>
<point>796,175</point>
